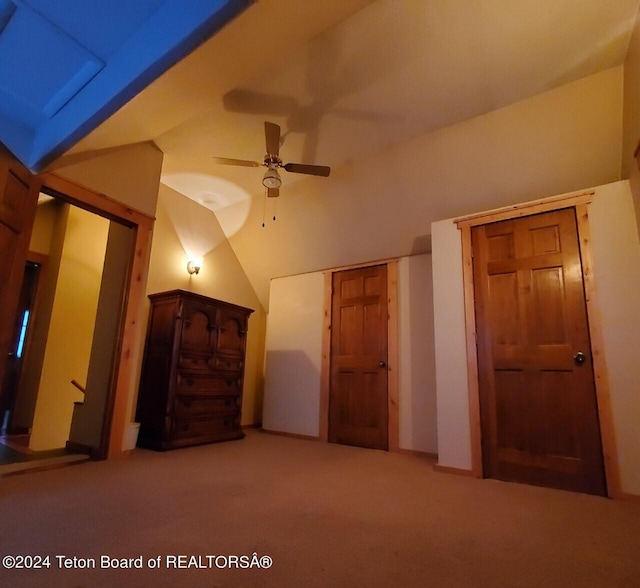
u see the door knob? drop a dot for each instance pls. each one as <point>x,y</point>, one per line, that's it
<point>382,364</point>
<point>579,358</point>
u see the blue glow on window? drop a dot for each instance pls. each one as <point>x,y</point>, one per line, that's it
<point>23,333</point>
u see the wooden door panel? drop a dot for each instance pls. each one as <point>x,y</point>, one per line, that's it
<point>358,398</point>
<point>538,407</point>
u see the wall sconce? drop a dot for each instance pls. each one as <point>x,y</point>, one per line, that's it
<point>193,267</point>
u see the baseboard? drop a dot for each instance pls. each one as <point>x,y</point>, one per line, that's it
<point>628,497</point>
<point>292,435</point>
<point>454,471</point>
<point>82,448</point>
<point>254,426</point>
<point>416,453</point>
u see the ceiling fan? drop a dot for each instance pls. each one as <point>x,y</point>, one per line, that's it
<point>271,180</point>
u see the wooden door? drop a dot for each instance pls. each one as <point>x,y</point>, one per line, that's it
<point>358,396</point>
<point>18,199</point>
<point>538,406</point>
<point>19,340</point>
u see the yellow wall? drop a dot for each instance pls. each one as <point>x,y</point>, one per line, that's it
<point>128,174</point>
<point>47,238</point>
<point>43,226</point>
<point>180,224</point>
<point>71,328</point>
<point>630,169</point>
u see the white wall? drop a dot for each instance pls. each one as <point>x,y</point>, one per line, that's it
<point>616,250</point>
<point>454,434</point>
<point>294,355</point>
<point>416,353</point>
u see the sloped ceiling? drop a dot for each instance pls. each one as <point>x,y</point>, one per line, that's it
<point>353,81</point>
<point>66,66</point>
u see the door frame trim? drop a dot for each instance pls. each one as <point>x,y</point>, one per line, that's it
<point>117,408</point>
<point>393,419</point>
<point>580,202</point>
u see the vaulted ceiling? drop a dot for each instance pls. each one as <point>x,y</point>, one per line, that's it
<point>66,66</point>
<point>349,81</point>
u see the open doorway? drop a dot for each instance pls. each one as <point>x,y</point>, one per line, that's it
<point>103,418</point>
<point>57,391</point>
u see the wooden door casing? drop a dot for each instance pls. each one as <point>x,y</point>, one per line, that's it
<point>358,396</point>
<point>18,200</point>
<point>538,408</point>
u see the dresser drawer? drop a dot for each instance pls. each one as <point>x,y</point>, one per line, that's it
<point>195,361</point>
<point>228,363</point>
<point>222,426</point>
<point>200,384</point>
<point>189,406</point>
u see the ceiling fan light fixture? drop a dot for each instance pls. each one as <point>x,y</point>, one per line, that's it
<point>271,179</point>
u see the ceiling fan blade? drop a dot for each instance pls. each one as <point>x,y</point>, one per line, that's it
<point>272,135</point>
<point>273,192</point>
<point>243,162</point>
<point>312,170</point>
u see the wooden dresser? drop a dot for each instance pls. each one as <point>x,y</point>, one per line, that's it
<point>192,372</point>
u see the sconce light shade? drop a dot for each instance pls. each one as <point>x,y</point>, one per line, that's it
<point>192,268</point>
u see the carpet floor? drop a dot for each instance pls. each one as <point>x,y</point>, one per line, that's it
<point>326,515</point>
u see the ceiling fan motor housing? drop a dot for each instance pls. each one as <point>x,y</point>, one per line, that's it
<point>272,177</point>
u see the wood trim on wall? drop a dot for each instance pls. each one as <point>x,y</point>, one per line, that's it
<point>472,353</point>
<point>580,202</point>
<point>325,366</point>
<point>393,361</point>
<point>118,416</point>
<point>290,435</point>
<point>116,413</point>
<point>603,395</point>
<point>392,353</point>
<point>526,209</point>
<point>454,471</point>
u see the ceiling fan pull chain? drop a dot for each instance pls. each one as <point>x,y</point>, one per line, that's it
<point>264,207</point>
<point>275,208</point>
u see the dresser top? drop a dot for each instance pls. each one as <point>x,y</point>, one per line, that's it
<point>185,295</point>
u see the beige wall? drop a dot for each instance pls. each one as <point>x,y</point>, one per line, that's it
<point>632,117</point>
<point>70,329</point>
<point>128,174</point>
<point>616,250</point>
<point>182,224</point>
<point>294,355</point>
<point>382,207</point>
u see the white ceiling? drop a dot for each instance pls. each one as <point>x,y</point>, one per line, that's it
<point>359,75</point>
<point>347,79</point>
